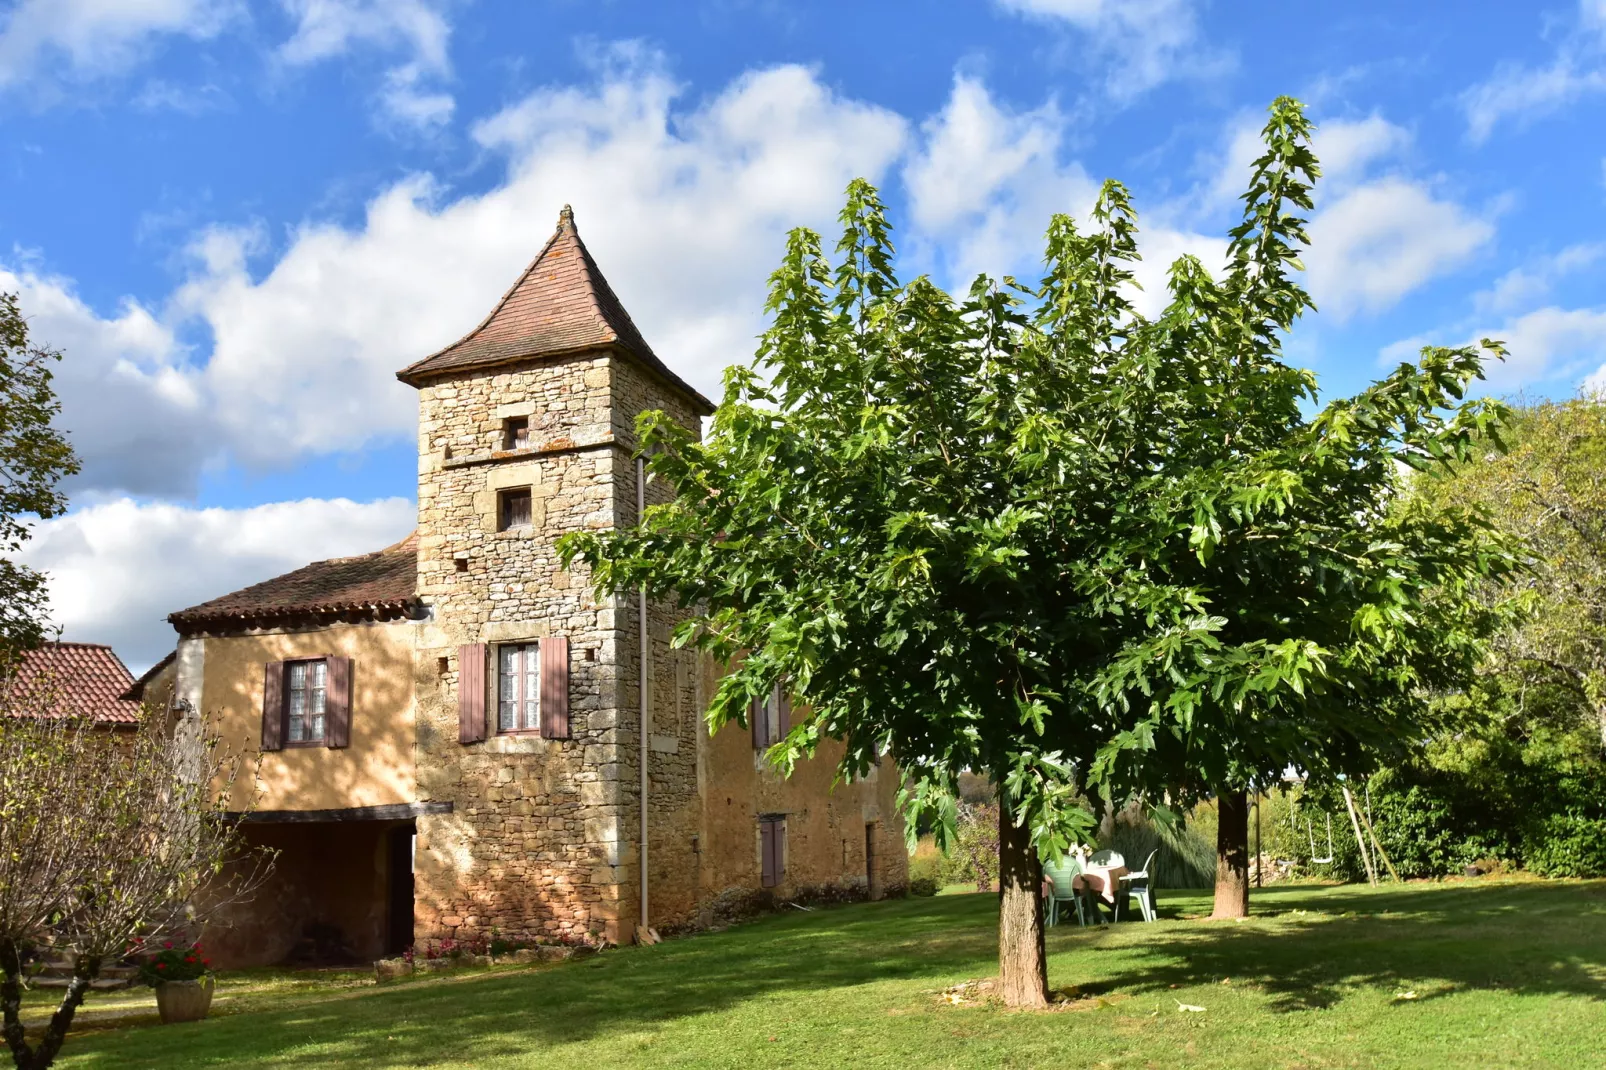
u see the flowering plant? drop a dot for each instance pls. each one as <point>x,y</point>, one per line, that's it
<point>175,964</point>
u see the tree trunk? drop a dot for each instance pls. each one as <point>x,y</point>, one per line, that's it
<point>1232,854</point>
<point>1022,961</point>
<point>11,1005</point>
<point>85,970</point>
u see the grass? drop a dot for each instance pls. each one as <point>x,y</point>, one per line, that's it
<point>1504,973</point>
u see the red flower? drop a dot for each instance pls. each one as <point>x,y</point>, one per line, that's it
<point>189,958</point>
<point>206,962</point>
<point>161,965</point>
<point>168,945</point>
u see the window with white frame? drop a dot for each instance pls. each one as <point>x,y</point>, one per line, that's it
<point>518,687</point>
<point>306,696</point>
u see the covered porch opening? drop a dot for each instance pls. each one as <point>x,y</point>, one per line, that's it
<point>340,892</point>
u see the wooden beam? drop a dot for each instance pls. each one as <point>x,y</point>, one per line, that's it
<point>390,812</point>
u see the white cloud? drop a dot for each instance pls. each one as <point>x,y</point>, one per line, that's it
<point>1381,240</point>
<point>417,29</point>
<point>983,183</point>
<point>117,569</point>
<point>685,212</point>
<point>1531,283</point>
<point>1545,345</point>
<point>133,409</point>
<point>1143,42</point>
<point>1516,92</point>
<point>94,38</point>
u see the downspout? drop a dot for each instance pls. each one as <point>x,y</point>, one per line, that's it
<point>641,674</point>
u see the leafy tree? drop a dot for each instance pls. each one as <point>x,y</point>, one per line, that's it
<point>1036,534</point>
<point>1550,490</point>
<point>104,840</point>
<point>34,456</point>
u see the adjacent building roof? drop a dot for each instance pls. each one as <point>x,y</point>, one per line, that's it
<point>379,585</point>
<point>74,679</point>
<point>561,305</point>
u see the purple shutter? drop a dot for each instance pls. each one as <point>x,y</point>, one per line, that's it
<point>760,723</point>
<point>471,693</point>
<point>555,687</point>
<point>273,706</point>
<point>337,702</point>
<point>766,852</point>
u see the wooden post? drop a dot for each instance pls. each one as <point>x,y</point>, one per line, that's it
<point>1360,838</point>
<point>1370,831</point>
<point>1260,846</point>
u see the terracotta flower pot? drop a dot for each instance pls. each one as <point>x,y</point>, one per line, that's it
<point>184,1001</point>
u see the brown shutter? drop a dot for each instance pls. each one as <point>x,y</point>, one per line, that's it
<point>766,852</point>
<point>779,840</point>
<point>337,702</point>
<point>783,712</point>
<point>273,706</point>
<point>471,693</point>
<point>761,724</point>
<point>555,687</point>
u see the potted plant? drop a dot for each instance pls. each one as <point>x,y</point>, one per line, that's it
<point>182,977</point>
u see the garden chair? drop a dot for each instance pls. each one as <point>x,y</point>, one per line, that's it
<point>1061,878</point>
<point>1141,885</point>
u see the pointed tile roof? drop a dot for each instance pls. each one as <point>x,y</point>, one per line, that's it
<point>560,305</point>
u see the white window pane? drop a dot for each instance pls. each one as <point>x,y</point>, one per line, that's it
<point>510,658</point>
<point>319,671</point>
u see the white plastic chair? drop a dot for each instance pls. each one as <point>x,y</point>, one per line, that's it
<point>1140,885</point>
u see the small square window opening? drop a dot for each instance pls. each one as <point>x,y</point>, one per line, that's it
<point>516,433</point>
<point>513,509</point>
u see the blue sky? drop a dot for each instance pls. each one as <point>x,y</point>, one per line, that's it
<point>238,218</point>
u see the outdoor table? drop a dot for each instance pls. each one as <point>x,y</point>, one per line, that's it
<point>1105,880</point>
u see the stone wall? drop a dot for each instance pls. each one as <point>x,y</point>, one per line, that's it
<point>532,848</point>
<point>543,840</point>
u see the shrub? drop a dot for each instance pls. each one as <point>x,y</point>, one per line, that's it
<point>922,887</point>
<point>175,964</point>
<point>1567,845</point>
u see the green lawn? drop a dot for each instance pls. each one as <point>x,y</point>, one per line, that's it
<point>1504,974</point>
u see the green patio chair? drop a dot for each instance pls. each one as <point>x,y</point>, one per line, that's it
<point>1061,876</point>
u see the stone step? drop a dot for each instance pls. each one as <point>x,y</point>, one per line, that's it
<point>99,984</point>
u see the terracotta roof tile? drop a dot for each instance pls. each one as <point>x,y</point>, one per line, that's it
<point>560,305</point>
<point>385,582</point>
<point>75,679</point>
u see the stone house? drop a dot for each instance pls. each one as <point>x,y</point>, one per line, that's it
<point>455,734</point>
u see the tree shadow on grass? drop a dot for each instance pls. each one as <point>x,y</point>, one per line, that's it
<point>1317,945</point>
<point>1532,937</point>
<point>626,990</point>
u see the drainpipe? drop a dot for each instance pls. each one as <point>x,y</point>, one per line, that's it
<point>641,673</point>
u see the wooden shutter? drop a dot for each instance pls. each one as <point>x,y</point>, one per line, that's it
<point>273,706</point>
<point>761,724</point>
<point>778,841</point>
<point>555,687</point>
<point>337,702</point>
<point>766,852</point>
<point>783,712</point>
<point>471,693</point>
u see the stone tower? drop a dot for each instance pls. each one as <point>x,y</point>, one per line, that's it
<point>526,683</point>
